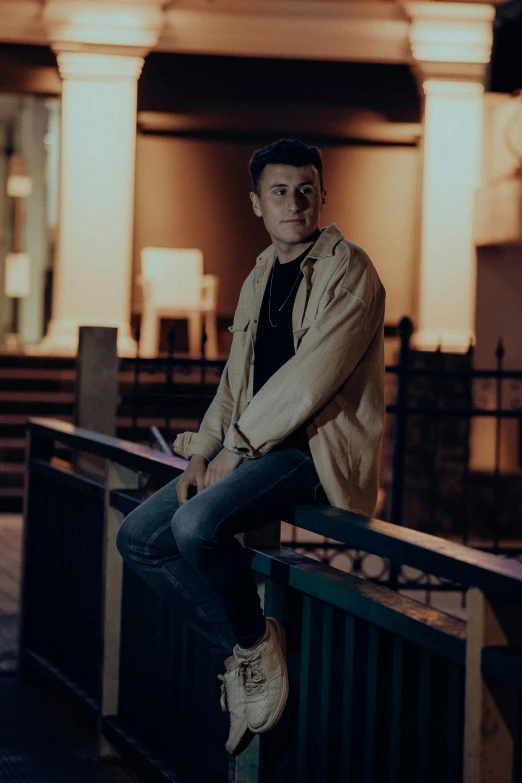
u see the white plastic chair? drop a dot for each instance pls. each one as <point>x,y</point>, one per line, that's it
<point>174,286</point>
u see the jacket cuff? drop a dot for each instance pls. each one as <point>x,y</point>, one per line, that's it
<point>189,443</point>
<point>235,441</point>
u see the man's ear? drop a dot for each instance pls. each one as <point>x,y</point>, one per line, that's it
<point>255,204</point>
<point>323,199</point>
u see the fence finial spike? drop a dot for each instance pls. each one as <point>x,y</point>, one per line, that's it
<point>171,338</point>
<point>499,353</point>
<point>406,325</point>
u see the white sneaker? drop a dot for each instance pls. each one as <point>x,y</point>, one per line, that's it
<point>233,698</point>
<point>264,677</point>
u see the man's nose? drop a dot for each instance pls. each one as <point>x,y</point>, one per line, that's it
<point>296,202</point>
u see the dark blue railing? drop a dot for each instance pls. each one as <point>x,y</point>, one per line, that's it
<point>382,688</point>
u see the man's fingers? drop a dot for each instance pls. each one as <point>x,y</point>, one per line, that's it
<point>182,491</point>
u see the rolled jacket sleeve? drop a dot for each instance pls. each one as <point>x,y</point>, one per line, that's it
<point>328,353</point>
<point>208,441</point>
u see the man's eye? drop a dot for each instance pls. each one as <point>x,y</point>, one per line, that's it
<point>306,190</point>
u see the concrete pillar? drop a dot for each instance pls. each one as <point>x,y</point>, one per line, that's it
<point>451,45</point>
<point>96,391</point>
<point>92,273</point>
<point>100,48</point>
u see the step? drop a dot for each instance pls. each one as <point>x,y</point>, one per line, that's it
<point>11,492</point>
<point>24,361</point>
<point>42,380</point>
<point>12,474</point>
<point>12,443</point>
<point>36,397</point>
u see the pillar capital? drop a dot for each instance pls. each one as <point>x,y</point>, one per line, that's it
<point>450,41</point>
<point>126,28</point>
<point>90,66</point>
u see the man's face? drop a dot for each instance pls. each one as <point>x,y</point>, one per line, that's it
<point>290,202</point>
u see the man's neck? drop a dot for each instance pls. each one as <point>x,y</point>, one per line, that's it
<point>287,253</point>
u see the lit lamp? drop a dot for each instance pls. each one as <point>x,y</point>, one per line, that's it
<point>17,263</point>
<point>19,183</point>
<point>17,282</point>
<point>17,275</point>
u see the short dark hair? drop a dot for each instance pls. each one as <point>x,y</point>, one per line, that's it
<point>285,152</point>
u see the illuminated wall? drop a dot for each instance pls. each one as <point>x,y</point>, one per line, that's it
<point>499,276</point>
<point>195,193</point>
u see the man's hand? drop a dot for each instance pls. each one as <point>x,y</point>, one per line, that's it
<point>193,476</point>
<point>222,464</point>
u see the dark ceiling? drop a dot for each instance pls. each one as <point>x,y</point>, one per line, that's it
<point>505,71</point>
<point>183,83</point>
<point>186,83</point>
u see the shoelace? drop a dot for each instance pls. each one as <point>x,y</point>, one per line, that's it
<point>253,677</point>
<point>223,698</point>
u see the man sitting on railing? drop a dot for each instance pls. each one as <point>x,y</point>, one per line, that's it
<point>301,424</point>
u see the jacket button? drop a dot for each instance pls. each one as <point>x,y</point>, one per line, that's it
<point>255,320</point>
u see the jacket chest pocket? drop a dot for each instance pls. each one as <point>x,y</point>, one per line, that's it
<point>300,333</point>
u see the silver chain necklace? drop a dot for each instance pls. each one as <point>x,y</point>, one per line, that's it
<point>270,294</point>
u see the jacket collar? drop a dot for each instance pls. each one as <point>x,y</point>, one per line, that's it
<point>323,247</point>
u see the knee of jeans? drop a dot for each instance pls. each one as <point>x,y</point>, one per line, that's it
<point>129,539</point>
<point>193,536</point>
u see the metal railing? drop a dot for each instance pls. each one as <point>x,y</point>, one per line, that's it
<point>199,377</point>
<point>427,477</point>
<point>382,688</point>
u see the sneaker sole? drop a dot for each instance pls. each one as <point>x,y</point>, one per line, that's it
<point>243,743</point>
<point>281,639</point>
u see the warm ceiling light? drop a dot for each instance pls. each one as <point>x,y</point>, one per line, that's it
<point>17,274</point>
<point>19,183</point>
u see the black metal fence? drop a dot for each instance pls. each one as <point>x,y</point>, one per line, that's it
<point>168,388</point>
<point>382,688</point>
<point>438,403</point>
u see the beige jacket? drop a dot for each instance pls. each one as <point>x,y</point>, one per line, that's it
<point>334,383</point>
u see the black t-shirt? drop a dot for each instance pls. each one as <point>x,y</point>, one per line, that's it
<point>275,344</point>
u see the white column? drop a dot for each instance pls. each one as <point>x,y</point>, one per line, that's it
<point>447,281</point>
<point>92,284</point>
<point>451,44</point>
<point>100,46</point>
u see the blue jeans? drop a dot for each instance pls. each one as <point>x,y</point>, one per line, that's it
<point>189,554</point>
